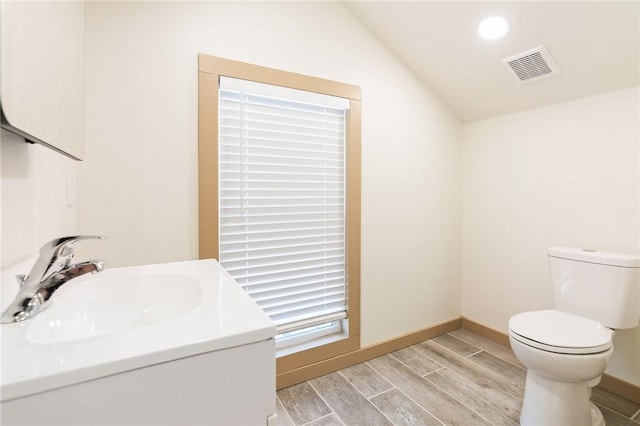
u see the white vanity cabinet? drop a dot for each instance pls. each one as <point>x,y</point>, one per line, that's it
<point>227,387</point>
<point>111,353</point>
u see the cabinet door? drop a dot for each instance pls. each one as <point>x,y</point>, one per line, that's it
<point>42,78</point>
<point>234,386</point>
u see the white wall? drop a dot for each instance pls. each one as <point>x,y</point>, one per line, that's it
<point>33,198</point>
<point>138,184</point>
<point>566,174</point>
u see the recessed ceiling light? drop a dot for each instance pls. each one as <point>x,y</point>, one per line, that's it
<point>493,28</point>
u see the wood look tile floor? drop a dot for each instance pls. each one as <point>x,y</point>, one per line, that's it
<point>458,378</point>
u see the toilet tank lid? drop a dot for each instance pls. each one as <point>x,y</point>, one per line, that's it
<point>596,256</point>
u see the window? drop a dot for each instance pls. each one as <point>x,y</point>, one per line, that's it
<point>281,184</point>
<point>279,192</point>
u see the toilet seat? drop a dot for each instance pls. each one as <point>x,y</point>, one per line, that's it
<point>560,332</point>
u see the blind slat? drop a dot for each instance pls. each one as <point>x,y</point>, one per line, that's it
<point>249,254</point>
<point>254,258</point>
<point>297,286</point>
<point>293,295</point>
<point>281,231</point>
<point>279,266</point>
<point>279,239</point>
<point>296,281</point>
<point>284,268</point>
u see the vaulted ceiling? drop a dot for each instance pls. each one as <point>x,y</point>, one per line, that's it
<point>595,44</point>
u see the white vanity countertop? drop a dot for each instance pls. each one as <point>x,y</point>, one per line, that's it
<point>198,308</point>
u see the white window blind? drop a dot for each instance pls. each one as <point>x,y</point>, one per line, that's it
<point>282,200</point>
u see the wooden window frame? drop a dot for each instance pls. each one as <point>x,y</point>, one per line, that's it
<point>210,68</point>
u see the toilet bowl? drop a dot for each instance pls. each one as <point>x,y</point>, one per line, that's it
<point>565,356</point>
<point>566,349</point>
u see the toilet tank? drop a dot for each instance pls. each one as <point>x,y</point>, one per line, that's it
<point>599,285</point>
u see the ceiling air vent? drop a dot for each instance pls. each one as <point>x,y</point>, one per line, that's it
<point>532,65</point>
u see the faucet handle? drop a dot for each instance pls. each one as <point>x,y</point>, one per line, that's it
<point>63,247</point>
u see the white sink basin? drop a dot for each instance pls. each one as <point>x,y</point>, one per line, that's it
<point>111,304</point>
<point>123,319</point>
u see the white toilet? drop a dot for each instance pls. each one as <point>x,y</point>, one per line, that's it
<point>566,349</point>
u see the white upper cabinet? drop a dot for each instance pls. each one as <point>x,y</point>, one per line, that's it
<point>42,72</point>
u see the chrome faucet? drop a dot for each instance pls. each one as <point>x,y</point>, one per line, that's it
<point>52,269</point>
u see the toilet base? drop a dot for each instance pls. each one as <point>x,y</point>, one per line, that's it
<point>596,416</point>
<point>553,403</point>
